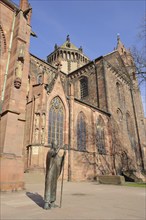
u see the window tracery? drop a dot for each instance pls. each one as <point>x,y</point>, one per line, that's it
<point>100,136</point>
<point>81,132</point>
<point>56,121</point>
<point>84,87</point>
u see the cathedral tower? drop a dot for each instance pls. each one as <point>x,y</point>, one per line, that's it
<point>69,55</point>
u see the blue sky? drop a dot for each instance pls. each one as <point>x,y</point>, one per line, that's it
<point>92,24</point>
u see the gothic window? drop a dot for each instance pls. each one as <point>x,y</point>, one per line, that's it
<point>130,129</point>
<point>120,93</point>
<point>100,136</point>
<point>56,121</point>
<point>81,132</point>
<point>120,115</point>
<point>84,87</point>
<point>39,79</point>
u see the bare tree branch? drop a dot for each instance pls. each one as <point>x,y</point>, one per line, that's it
<point>139,55</point>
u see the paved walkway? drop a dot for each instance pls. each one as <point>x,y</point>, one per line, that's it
<point>80,201</point>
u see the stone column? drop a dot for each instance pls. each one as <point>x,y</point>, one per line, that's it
<point>13,108</point>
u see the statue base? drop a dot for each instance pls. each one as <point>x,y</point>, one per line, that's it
<point>11,173</point>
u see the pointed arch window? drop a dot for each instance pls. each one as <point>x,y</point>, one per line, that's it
<point>81,132</point>
<point>39,79</point>
<point>56,121</point>
<point>120,118</point>
<point>120,115</point>
<point>118,91</point>
<point>120,95</point>
<point>130,129</point>
<point>84,87</point>
<point>100,136</point>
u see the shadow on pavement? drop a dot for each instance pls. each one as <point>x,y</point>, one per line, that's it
<point>38,199</point>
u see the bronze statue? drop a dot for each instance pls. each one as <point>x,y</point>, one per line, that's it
<point>54,165</point>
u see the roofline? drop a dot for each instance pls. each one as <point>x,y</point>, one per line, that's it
<point>90,62</point>
<point>97,59</point>
<point>115,51</point>
<point>11,4</point>
<point>45,62</point>
<point>92,106</point>
<point>60,48</point>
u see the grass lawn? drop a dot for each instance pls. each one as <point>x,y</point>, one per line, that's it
<point>133,184</point>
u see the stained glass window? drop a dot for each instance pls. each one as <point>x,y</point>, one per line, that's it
<point>56,121</point>
<point>84,87</point>
<point>100,136</point>
<point>81,132</point>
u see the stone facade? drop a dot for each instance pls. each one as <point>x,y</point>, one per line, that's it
<point>15,26</point>
<point>69,55</point>
<point>92,107</point>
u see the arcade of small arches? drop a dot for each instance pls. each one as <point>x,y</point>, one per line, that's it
<point>3,44</point>
<point>67,55</point>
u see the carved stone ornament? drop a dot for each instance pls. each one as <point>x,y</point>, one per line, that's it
<point>18,69</point>
<point>21,53</point>
<point>17,83</point>
<point>18,73</point>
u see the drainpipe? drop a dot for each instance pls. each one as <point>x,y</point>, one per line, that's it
<point>69,145</point>
<point>9,53</point>
<point>32,122</point>
<point>69,134</point>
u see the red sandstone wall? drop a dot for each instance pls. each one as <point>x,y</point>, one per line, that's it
<point>86,165</point>
<point>126,106</point>
<point>6,19</point>
<point>13,108</point>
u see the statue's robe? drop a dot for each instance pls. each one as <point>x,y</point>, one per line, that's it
<point>54,164</point>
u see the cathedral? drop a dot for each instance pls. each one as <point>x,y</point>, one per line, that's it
<point>91,108</point>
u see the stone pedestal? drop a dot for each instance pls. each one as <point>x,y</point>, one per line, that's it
<point>111,179</point>
<point>11,173</point>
